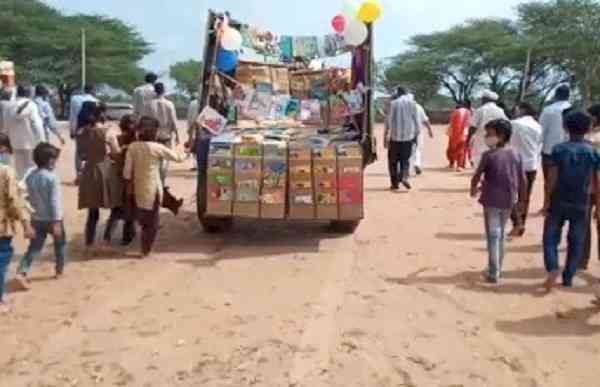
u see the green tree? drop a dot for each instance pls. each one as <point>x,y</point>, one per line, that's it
<point>541,77</point>
<point>567,32</point>
<point>481,52</point>
<point>46,47</point>
<point>187,75</point>
<point>412,71</point>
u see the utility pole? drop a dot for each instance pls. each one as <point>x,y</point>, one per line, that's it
<point>526,75</point>
<point>83,60</point>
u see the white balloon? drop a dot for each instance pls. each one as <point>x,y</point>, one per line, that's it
<point>231,39</point>
<point>350,9</point>
<point>355,33</point>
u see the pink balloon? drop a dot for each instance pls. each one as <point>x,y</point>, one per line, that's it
<point>339,23</point>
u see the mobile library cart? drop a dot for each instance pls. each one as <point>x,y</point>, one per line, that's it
<point>277,138</point>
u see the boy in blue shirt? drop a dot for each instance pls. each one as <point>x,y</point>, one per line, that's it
<point>572,176</point>
<point>43,187</point>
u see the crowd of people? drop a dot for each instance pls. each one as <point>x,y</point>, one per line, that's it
<point>506,154</point>
<point>122,171</point>
<point>125,171</point>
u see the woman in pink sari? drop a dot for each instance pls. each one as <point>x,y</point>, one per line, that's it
<point>457,136</point>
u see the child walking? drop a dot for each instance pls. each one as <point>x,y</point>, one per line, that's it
<point>14,210</point>
<point>572,176</point>
<point>142,173</point>
<point>128,126</point>
<point>504,186</point>
<point>45,195</point>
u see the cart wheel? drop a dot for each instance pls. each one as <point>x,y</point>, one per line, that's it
<point>344,226</point>
<point>214,225</point>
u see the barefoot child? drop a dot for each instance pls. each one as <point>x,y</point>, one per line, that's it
<point>573,174</point>
<point>14,210</point>
<point>45,195</point>
<point>503,186</point>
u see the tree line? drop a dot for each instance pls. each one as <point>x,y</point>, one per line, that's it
<point>45,46</point>
<point>549,43</point>
<point>187,75</point>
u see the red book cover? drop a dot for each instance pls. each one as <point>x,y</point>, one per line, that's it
<point>352,182</point>
<point>351,196</point>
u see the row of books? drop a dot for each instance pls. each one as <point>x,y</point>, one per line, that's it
<point>285,180</point>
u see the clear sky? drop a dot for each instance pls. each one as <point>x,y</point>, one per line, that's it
<point>176,27</point>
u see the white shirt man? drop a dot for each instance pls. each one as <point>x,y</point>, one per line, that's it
<point>416,159</point>
<point>403,122</point>
<point>488,112</point>
<point>401,131</point>
<point>553,132</point>
<point>552,124</point>
<point>527,141</point>
<point>144,95</point>
<point>25,131</point>
<point>164,111</point>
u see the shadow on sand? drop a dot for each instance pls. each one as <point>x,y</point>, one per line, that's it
<point>445,190</point>
<point>473,281</point>
<point>183,235</point>
<point>250,239</point>
<point>475,237</point>
<point>572,323</point>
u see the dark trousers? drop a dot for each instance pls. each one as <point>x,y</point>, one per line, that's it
<point>6,253</point>
<point>117,214</point>
<point>149,221</point>
<point>519,218</point>
<point>90,226</point>
<point>587,249</point>
<point>399,161</point>
<point>555,221</point>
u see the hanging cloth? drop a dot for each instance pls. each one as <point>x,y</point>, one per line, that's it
<point>286,49</point>
<point>306,47</point>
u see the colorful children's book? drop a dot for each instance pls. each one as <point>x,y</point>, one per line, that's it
<point>212,121</point>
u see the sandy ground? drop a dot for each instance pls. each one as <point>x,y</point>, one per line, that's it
<point>399,303</point>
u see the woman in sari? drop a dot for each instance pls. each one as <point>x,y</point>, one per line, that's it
<point>457,136</point>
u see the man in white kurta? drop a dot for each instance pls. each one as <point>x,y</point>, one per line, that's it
<point>488,112</point>
<point>144,95</point>
<point>416,160</point>
<point>164,112</point>
<point>25,130</point>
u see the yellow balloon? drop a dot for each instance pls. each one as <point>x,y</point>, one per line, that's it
<point>370,11</point>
